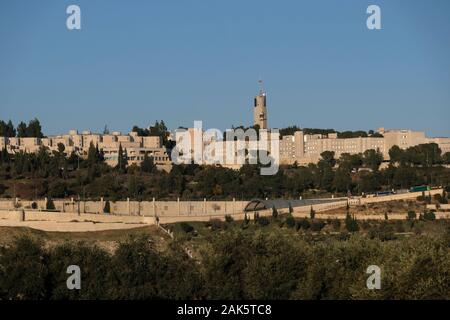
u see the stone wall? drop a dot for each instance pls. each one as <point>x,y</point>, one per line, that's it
<point>134,208</point>
<point>27,215</point>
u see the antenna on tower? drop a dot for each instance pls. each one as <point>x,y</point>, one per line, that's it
<point>261,87</point>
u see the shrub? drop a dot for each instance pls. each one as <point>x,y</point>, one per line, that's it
<point>312,213</point>
<point>317,225</point>
<point>303,224</point>
<point>274,212</point>
<point>246,220</point>
<point>399,226</point>
<point>351,224</point>
<point>423,198</point>
<point>2,188</point>
<point>263,221</point>
<point>34,205</point>
<point>411,215</point>
<point>384,232</point>
<point>336,223</point>
<point>290,221</point>
<point>228,218</point>
<point>429,216</point>
<point>186,227</point>
<point>107,208</point>
<point>50,205</point>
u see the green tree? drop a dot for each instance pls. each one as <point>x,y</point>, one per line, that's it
<point>34,129</point>
<point>274,212</point>
<point>107,207</point>
<point>411,215</point>
<point>122,159</point>
<point>7,129</point>
<point>372,159</point>
<point>342,180</point>
<point>22,130</point>
<point>50,205</point>
<point>328,157</point>
<point>290,221</point>
<point>24,271</point>
<point>446,158</point>
<point>351,224</point>
<point>147,164</point>
<point>312,213</point>
<point>396,155</point>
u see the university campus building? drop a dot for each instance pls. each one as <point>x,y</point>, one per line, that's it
<point>306,148</point>
<point>299,147</point>
<point>136,146</point>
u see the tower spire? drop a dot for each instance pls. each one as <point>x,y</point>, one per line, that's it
<point>260,109</point>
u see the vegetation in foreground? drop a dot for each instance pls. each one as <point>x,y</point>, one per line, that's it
<point>275,259</point>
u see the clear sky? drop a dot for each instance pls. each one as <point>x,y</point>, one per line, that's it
<point>134,62</point>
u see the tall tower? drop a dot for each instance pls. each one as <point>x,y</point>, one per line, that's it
<point>260,109</point>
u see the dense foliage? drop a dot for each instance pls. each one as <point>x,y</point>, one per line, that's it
<point>236,264</point>
<point>60,175</point>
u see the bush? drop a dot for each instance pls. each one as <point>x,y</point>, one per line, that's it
<point>34,205</point>
<point>263,221</point>
<point>423,198</point>
<point>429,216</point>
<point>317,225</point>
<point>2,188</point>
<point>50,205</point>
<point>336,223</point>
<point>274,212</point>
<point>107,208</point>
<point>399,226</point>
<point>411,215</point>
<point>217,224</point>
<point>186,227</point>
<point>23,271</point>
<point>246,220</point>
<point>290,221</point>
<point>312,213</point>
<point>303,224</point>
<point>351,224</point>
<point>384,232</point>
<point>228,218</point>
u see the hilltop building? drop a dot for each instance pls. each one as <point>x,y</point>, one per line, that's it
<point>298,148</point>
<point>136,146</point>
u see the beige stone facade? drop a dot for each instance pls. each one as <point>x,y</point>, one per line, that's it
<point>305,149</point>
<point>136,146</point>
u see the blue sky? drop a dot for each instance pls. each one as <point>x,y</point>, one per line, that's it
<point>134,62</point>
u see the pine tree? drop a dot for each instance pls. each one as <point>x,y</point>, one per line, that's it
<point>274,212</point>
<point>147,164</point>
<point>50,204</point>
<point>121,159</point>
<point>350,223</point>
<point>312,213</point>
<point>107,208</point>
<point>92,154</point>
<point>22,130</point>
